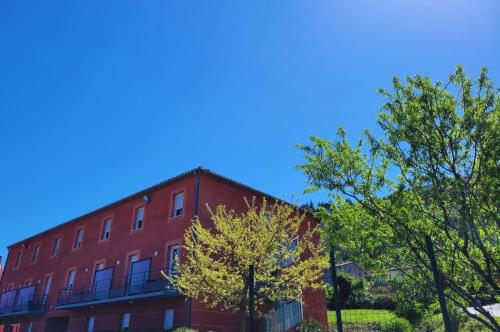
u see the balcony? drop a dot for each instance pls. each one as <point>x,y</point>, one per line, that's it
<point>135,286</point>
<point>11,304</point>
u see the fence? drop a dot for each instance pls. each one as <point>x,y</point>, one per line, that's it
<point>284,316</point>
<point>352,312</point>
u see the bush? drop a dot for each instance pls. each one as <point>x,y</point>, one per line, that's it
<point>396,325</point>
<point>384,301</point>
<point>435,324</point>
<point>309,325</point>
<point>432,323</point>
<point>433,320</point>
<point>474,325</point>
<point>361,295</point>
<point>345,288</point>
<point>411,311</point>
<point>184,329</point>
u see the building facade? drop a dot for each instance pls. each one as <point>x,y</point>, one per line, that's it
<point>101,271</point>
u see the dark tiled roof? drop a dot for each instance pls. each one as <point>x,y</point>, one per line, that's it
<point>143,192</point>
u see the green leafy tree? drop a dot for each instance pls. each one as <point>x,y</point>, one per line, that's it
<point>434,171</point>
<point>219,252</point>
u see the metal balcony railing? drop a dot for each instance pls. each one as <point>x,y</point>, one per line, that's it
<point>26,305</point>
<point>115,289</point>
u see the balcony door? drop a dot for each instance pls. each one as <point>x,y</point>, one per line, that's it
<point>102,283</point>
<point>139,275</point>
<point>25,297</point>
<point>7,300</point>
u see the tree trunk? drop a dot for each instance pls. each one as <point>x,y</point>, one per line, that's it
<point>242,320</point>
<point>243,307</point>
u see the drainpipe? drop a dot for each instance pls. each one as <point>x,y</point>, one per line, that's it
<point>196,195</point>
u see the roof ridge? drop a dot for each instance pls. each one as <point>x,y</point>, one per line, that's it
<point>200,168</point>
<point>113,203</point>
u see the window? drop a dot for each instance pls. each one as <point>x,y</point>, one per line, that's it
<point>178,204</point>
<point>168,320</point>
<point>36,253</point>
<point>70,281</point>
<point>30,327</point>
<point>290,259</point>
<point>125,321</point>
<point>106,229</point>
<point>14,327</point>
<point>56,247</point>
<point>139,218</point>
<point>90,324</point>
<point>46,285</point>
<point>173,259</point>
<point>290,312</point>
<point>78,239</point>
<point>18,259</point>
<point>131,259</point>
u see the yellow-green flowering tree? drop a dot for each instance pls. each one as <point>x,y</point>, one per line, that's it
<point>219,251</point>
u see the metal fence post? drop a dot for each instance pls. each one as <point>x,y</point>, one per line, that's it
<point>336,296</point>
<point>250,297</point>
<point>439,283</point>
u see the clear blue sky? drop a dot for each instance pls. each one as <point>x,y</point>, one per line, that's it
<point>102,98</point>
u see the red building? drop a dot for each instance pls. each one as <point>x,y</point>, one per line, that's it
<point>101,271</point>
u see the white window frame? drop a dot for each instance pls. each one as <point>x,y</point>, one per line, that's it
<point>70,282</point>
<point>139,222</point>
<point>78,239</point>
<point>19,256</point>
<point>290,261</point>
<point>125,321</point>
<point>178,205</point>
<point>90,324</point>
<point>36,253</point>
<point>172,269</point>
<point>131,260</point>
<point>56,247</point>
<point>46,285</point>
<point>106,229</point>
<point>168,319</point>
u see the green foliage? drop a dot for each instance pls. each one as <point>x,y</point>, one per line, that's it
<point>184,329</point>
<point>433,322</point>
<point>436,166</point>
<point>310,325</point>
<point>362,316</point>
<point>218,253</point>
<point>345,287</point>
<point>472,325</point>
<point>414,289</point>
<point>411,311</point>
<point>360,293</point>
<point>361,296</point>
<point>384,301</point>
<point>396,325</point>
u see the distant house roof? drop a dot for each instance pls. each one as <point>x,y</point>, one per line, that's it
<point>199,170</point>
<point>346,267</point>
